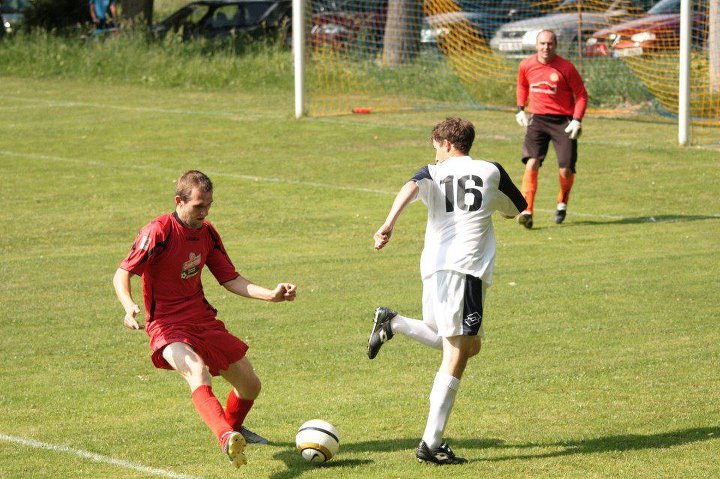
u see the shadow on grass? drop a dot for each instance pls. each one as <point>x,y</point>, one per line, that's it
<point>296,466</point>
<point>642,219</point>
<point>619,443</point>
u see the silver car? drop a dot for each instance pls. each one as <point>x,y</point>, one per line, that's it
<point>572,27</point>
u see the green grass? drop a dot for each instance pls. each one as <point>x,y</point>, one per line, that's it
<point>133,58</point>
<point>602,347</point>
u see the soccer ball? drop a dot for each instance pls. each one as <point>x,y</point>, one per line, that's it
<point>318,441</point>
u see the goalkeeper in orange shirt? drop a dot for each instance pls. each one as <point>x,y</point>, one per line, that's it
<point>557,101</point>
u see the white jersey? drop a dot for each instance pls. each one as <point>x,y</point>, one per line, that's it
<point>461,194</point>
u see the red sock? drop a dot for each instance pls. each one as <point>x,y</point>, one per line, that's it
<point>529,188</point>
<point>236,410</point>
<point>565,187</point>
<point>211,411</point>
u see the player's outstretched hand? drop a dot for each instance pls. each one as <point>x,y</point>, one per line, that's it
<point>130,321</point>
<point>573,129</point>
<point>284,292</point>
<point>522,118</point>
<point>382,236</point>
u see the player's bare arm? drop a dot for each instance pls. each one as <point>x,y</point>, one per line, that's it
<point>243,287</point>
<point>404,197</point>
<point>121,282</point>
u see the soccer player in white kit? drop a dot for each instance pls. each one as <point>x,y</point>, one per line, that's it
<point>456,266</point>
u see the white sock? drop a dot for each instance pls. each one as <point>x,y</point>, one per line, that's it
<point>417,330</point>
<point>442,398</point>
<point>562,206</point>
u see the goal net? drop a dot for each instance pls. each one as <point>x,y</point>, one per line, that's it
<point>389,55</point>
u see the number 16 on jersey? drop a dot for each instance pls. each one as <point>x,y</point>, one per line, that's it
<point>457,194</point>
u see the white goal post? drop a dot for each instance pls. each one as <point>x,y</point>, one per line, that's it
<point>684,77</point>
<point>298,45</point>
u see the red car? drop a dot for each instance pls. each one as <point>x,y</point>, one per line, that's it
<point>658,32</point>
<point>350,24</point>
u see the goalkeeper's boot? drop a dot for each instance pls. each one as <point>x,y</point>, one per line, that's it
<point>251,437</point>
<point>381,332</point>
<point>233,444</point>
<point>526,219</point>
<point>560,212</point>
<point>441,455</point>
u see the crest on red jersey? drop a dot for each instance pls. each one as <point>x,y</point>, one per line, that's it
<point>191,267</point>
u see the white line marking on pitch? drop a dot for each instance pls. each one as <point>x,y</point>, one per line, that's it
<point>39,103</point>
<point>271,179</point>
<point>265,179</point>
<point>94,457</point>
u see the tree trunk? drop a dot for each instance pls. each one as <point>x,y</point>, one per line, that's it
<point>402,32</point>
<point>138,10</point>
<point>714,45</point>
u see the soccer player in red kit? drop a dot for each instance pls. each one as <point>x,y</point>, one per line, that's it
<point>169,254</point>
<point>558,100</point>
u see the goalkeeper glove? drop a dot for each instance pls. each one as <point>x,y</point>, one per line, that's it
<point>521,118</point>
<point>573,129</point>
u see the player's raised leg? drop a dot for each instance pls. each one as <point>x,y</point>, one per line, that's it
<point>241,398</point>
<point>387,323</point>
<point>382,330</point>
<point>193,369</point>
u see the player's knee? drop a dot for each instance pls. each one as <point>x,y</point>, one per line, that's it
<point>249,386</point>
<point>197,373</point>
<point>532,164</point>
<point>474,348</point>
<point>566,172</point>
<point>253,388</point>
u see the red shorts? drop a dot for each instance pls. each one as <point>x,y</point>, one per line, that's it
<point>213,343</point>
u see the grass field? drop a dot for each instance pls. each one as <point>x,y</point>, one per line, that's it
<point>602,350</point>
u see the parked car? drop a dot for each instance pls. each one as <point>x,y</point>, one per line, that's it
<point>225,18</point>
<point>659,31</point>
<point>484,16</point>
<point>12,13</point>
<point>517,39</point>
<point>347,23</point>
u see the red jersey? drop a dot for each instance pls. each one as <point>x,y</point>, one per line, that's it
<point>554,88</point>
<point>165,254</point>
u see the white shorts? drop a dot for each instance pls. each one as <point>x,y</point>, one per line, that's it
<point>453,303</point>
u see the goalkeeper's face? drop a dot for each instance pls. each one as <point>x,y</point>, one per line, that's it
<point>546,46</point>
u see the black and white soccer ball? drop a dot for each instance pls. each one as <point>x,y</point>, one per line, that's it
<point>317,440</point>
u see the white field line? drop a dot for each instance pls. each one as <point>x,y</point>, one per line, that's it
<point>258,179</point>
<point>313,184</point>
<point>40,103</point>
<point>93,457</point>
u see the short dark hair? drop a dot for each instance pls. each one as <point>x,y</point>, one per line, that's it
<point>192,179</point>
<point>459,132</point>
<point>554,36</point>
